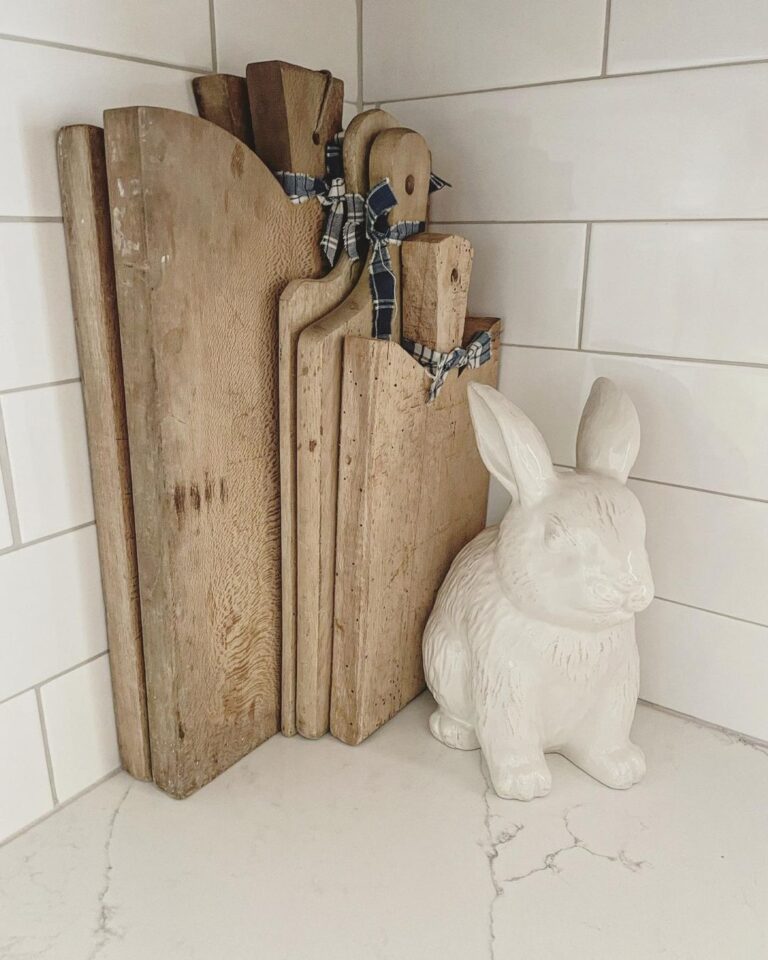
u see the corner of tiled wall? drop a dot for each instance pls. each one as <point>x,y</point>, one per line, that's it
<point>57,734</point>
<point>608,166</point>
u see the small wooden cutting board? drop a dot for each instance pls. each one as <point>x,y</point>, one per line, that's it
<point>403,157</point>
<point>412,491</point>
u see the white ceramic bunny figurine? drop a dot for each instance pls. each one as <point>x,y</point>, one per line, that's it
<point>530,647</point>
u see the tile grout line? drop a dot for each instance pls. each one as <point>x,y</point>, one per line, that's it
<point>212,25</point>
<point>62,673</point>
<point>73,48</point>
<point>6,479</point>
<point>590,78</point>
<point>743,364</point>
<point>681,486</point>
<point>745,738</point>
<point>714,613</point>
<point>46,747</point>
<point>585,269</point>
<point>606,34</point>
<point>57,809</point>
<point>360,94</point>
<point>39,386</point>
<point>22,545</point>
<point>12,219</point>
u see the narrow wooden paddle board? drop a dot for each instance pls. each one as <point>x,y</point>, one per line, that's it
<point>302,303</point>
<point>403,157</point>
<point>85,205</point>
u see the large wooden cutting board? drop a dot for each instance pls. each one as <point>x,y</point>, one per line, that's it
<point>85,205</point>
<point>223,100</point>
<point>302,303</point>
<point>399,155</point>
<point>412,491</point>
<point>204,242</point>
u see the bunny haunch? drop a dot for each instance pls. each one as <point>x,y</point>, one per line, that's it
<point>530,647</point>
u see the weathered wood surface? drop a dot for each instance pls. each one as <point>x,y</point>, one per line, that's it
<point>436,273</point>
<point>412,492</point>
<point>223,99</point>
<point>302,303</point>
<point>294,113</point>
<point>399,155</point>
<point>85,205</point>
<point>204,242</point>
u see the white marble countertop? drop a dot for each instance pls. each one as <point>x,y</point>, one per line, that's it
<point>398,849</point>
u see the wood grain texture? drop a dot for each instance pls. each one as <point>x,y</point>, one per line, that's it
<point>223,99</point>
<point>287,101</point>
<point>412,492</point>
<point>436,273</point>
<point>205,241</point>
<point>85,206</point>
<point>302,303</point>
<point>397,154</point>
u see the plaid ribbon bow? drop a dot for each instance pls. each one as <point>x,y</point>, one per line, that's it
<point>331,191</point>
<point>437,364</point>
<point>380,235</point>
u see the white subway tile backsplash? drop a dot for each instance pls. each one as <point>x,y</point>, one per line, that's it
<point>685,289</point>
<point>447,48</point>
<point>25,792</point>
<point>37,334</point>
<point>676,145</point>
<point>707,550</point>
<point>80,722</point>
<point>530,276</point>
<point>705,665</point>
<point>663,34</point>
<point>46,88</point>
<point>45,432</point>
<point>52,612</point>
<point>703,424</point>
<point>321,37</point>
<point>172,31</point>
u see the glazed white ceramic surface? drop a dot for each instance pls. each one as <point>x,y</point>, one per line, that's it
<point>531,646</point>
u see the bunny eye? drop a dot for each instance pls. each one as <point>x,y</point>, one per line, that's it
<point>555,534</point>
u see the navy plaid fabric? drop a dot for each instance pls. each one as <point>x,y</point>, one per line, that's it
<point>380,234</point>
<point>346,224</point>
<point>437,183</point>
<point>330,191</point>
<point>437,364</point>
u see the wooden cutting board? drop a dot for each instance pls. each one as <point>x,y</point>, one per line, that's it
<point>223,99</point>
<point>85,205</point>
<point>204,242</point>
<point>399,155</point>
<point>412,492</point>
<point>302,303</point>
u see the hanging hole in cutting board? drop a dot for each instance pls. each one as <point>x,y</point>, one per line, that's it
<point>410,184</point>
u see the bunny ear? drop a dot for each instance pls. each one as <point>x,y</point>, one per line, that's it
<point>609,432</point>
<point>510,445</point>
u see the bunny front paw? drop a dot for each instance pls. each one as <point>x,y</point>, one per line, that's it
<point>518,780</point>
<point>452,732</point>
<point>618,768</point>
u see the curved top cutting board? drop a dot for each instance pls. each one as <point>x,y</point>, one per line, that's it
<point>204,241</point>
<point>302,303</point>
